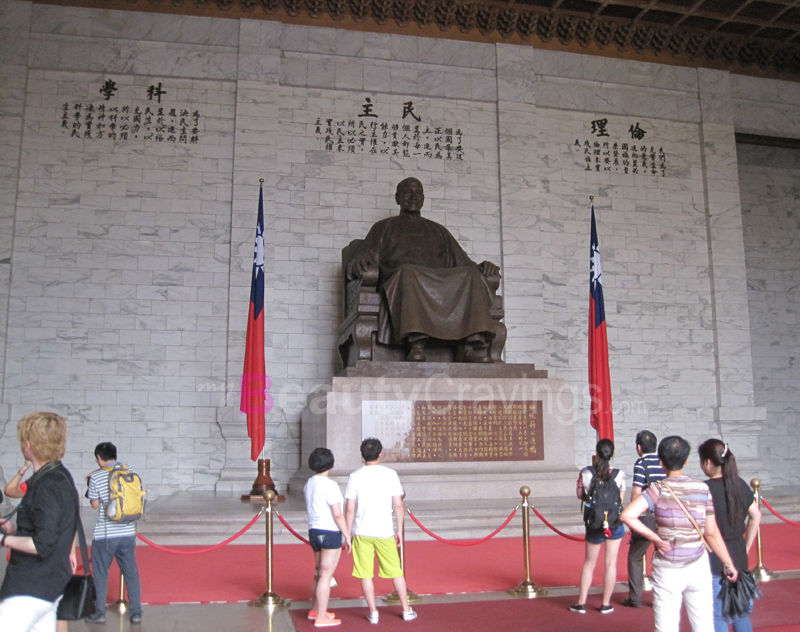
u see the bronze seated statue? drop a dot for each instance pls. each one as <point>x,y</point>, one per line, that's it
<point>412,293</point>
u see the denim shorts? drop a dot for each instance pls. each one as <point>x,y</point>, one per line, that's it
<point>598,536</point>
<point>322,539</point>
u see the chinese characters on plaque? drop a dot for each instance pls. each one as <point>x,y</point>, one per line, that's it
<point>445,431</point>
<point>390,421</point>
<point>150,121</point>
<point>602,153</point>
<point>372,133</point>
<point>477,431</point>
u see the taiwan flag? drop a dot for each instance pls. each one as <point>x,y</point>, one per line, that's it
<point>599,377</point>
<point>254,375</point>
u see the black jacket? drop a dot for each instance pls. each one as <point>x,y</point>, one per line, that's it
<point>48,513</point>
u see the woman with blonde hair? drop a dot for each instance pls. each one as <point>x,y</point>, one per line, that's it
<point>16,488</point>
<point>42,559</point>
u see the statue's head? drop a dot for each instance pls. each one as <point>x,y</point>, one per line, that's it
<point>410,195</point>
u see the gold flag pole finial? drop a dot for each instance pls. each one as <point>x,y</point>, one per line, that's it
<point>591,198</point>
<point>261,180</point>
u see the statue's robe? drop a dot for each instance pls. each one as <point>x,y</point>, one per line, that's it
<point>430,284</point>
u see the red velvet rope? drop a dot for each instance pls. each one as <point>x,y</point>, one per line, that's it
<point>468,542</point>
<point>561,533</point>
<point>292,531</point>
<point>777,515</point>
<point>205,550</point>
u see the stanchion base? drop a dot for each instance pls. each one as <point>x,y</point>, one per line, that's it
<point>762,573</point>
<point>120,606</point>
<point>392,599</point>
<point>528,589</point>
<point>269,600</point>
<point>647,583</point>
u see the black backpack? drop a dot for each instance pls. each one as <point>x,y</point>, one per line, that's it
<point>602,503</point>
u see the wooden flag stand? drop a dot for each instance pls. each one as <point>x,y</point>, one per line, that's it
<point>262,483</point>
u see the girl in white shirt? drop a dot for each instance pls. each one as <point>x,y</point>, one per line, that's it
<point>597,538</point>
<point>326,530</point>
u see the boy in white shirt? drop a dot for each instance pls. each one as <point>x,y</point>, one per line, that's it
<point>372,493</point>
<point>326,528</point>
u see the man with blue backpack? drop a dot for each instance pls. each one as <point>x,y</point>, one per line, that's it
<point>116,490</point>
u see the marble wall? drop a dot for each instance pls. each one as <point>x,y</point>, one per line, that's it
<point>770,192</point>
<point>125,263</point>
<point>14,30</point>
<point>120,267</point>
<point>768,189</point>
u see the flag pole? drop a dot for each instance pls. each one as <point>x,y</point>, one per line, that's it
<point>600,414</point>
<point>597,431</point>
<point>254,378</point>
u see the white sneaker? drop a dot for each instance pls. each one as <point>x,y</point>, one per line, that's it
<point>409,615</point>
<point>373,617</point>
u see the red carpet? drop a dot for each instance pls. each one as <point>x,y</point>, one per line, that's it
<point>237,573</point>
<point>777,612</point>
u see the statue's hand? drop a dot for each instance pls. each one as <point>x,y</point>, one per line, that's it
<point>360,262</point>
<point>488,269</point>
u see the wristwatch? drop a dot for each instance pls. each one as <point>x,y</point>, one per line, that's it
<point>3,539</point>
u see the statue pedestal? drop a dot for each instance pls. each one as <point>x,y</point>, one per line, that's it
<point>333,418</point>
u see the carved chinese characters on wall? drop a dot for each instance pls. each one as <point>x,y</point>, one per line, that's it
<point>118,118</point>
<point>607,151</point>
<point>375,131</point>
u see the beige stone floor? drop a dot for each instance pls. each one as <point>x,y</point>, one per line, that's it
<point>244,618</point>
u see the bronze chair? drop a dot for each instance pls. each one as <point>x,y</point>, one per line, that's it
<point>359,330</point>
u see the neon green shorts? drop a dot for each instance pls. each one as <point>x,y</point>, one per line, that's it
<point>364,549</point>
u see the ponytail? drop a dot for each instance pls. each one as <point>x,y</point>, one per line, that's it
<point>720,455</point>
<point>605,450</point>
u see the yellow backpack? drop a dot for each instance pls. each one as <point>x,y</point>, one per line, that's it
<point>126,496</point>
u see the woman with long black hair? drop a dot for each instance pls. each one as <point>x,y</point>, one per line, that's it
<point>733,503</point>
<point>596,537</point>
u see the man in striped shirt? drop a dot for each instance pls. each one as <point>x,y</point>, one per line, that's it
<point>111,540</point>
<point>646,470</point>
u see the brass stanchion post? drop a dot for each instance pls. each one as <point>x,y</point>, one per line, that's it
<point>527,588</point>
<point>269,599</point>
<point>121,604</point>
<point>761,572</point>
<point>647,581</point>
<point>393,598</point>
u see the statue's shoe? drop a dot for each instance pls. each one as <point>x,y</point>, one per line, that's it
<point>416,355</point>
<point>478,354</point>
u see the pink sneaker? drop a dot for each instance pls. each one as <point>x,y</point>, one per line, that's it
<point>312,614</point>
<point>325,622</point>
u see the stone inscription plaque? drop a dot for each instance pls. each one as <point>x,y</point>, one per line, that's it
<point>476,431</point>
<point>391,422</point>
